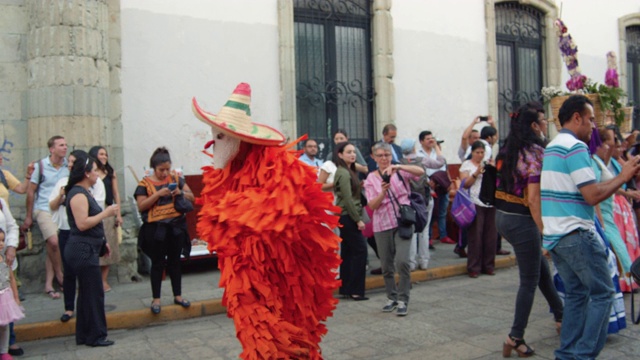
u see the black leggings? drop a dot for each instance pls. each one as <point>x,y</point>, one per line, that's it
<point>165,253</point>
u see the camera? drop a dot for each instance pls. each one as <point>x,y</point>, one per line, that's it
<point>484,118</point>
<point>386,178</point>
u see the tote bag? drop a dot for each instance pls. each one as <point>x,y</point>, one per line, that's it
<point>463,209</point>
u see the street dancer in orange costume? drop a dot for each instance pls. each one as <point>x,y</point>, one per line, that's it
<point>266,217</point>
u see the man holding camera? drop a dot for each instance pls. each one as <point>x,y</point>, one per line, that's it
<point>430,148</point>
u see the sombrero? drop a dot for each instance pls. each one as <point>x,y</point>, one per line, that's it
<point>234,119</point>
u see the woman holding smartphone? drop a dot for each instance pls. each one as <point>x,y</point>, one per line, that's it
<point>164,231</point>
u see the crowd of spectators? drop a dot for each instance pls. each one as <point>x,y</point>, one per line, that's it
<point>528,180</point>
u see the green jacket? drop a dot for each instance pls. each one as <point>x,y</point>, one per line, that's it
<point>345,198</point>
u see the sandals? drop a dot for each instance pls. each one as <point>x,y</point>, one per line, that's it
<point>53,294</point>
<point>507,348</point>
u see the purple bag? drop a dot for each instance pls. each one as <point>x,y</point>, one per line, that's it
<point>463,209</point>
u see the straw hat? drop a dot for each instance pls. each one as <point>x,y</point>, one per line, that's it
<point>235,119</point>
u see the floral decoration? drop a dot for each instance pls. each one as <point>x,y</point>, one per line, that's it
<point>611,76</point>
<point>570,56</point>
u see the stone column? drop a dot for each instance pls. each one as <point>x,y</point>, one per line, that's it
<point>67,90</point>
<point>68,73</point>
<point>287,58</point>
<point>383,67</point>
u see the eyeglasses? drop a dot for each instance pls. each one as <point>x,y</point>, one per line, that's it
<point>383,155</point>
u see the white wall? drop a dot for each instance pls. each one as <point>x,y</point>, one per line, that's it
<point>174,50</point>
<point>440,68</point>
<point>593,25</point>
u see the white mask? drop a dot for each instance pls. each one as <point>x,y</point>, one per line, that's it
<point>225,148</point>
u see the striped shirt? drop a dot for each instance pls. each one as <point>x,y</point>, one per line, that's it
<point>565,169</point>
<point>384,217</point>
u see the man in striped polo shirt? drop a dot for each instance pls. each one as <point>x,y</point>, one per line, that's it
<point>569,192</point>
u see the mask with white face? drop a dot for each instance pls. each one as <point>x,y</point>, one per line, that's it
<point>225,148</point>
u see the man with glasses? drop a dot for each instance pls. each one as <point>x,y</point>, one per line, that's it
<point>310,152</point>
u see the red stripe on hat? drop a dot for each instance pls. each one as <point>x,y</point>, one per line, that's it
<point>243,89</point>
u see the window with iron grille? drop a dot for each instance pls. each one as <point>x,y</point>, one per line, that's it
<point>334,88</point>
<point>633,71</point>
<point>519,41</point>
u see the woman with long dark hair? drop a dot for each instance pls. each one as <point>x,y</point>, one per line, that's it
<point>85,246</point>
<point>353,248</point>
<point>112,196</point>
<point>519,218</point>
<point>163,235</point>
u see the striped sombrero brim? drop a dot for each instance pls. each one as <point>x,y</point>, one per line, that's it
<point>235,120</point>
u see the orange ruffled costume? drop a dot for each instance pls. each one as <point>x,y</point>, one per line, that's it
<point>266,217</point>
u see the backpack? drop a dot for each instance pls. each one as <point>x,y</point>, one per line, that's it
<point>420,186</point>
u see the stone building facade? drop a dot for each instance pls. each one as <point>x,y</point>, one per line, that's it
<point>60,75</point>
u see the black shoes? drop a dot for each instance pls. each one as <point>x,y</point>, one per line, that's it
<point>155,309</point>
<point>65,317</point>
<point>102,342</point>
<point>16,352</point>
<point>184,303</point>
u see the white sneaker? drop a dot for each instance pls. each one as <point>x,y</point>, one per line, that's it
<point>402,309</point>
<point>390,306</point>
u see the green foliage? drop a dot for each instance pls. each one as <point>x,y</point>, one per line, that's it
<point>610,99</point>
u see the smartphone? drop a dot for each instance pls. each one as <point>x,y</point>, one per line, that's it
<point>484,118</point>
<point>173,186</point>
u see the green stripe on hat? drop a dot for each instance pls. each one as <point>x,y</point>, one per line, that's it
<point>239,106</point>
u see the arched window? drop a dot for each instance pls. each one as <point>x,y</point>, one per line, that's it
<point>519,44</point>
<point>334,87</point>
<point>633,71</point>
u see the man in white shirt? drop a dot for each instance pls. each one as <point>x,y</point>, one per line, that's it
<point>429,148</point>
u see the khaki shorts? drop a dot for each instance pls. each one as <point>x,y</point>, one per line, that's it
<point>47,227</point>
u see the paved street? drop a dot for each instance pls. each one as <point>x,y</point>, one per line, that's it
<point>452,318</point>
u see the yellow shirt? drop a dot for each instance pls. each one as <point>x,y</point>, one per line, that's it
<point>11,181</point>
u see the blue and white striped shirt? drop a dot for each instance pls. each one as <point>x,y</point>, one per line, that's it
<point>565,169</point>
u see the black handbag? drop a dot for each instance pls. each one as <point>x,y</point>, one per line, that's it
<point>182,205</point>
<point>405,231</point>
<point>407,213</point>
<point>406,219</point>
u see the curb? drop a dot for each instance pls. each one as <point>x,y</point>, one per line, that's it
<point>143,317</point>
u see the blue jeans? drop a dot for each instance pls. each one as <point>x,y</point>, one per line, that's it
<point>581,261</point>
<point>440,215</point>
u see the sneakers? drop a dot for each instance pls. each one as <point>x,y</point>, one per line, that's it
<point>402,309</point>
<point>390,306</point>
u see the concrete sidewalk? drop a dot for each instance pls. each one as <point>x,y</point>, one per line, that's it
<point>456,318</point>
<point>128,304</point>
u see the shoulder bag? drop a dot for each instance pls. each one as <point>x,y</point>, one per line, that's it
<point>418,203</point>
<point>406,219</point>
